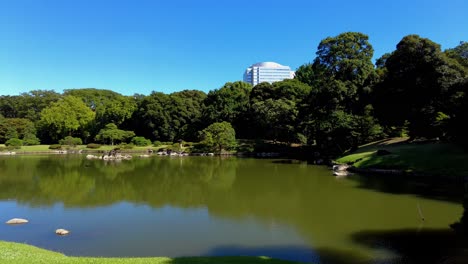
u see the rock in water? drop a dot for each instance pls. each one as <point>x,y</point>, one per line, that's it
<point>17,221</point>
<point>62,232</point>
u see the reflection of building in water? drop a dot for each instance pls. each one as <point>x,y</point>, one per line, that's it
<point>267,72</point>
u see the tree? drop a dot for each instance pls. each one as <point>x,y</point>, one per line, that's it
<point>169,117</point>
<point>109,106</point>
<point>17,128</point>
<point>110,133</point>
<point>345,76</point>
<point>230,103</point>
<point>274,109</point>
<point>220,136</point>
<point>420,77</point>
<point>66,116</point>
<point>275,119</point>
<point>346,57</point>
<point>459,53</point>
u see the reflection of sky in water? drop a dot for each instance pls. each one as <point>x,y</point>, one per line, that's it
<point>207,206</point>
<point>135,230</point>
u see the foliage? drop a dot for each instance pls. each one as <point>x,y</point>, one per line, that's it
<point>169,117</point>
<point>66,116</point>
<point>16,128</point>
<point>126,146</point>
<point>460,54</point>
<point>219,136</point>
<point>14,142</point>
<point>93,146</point>
<point>141,141</point>
<point>55,146</point>
<point>421,79</point>
<point>71,141</point>
<point>111,134</point>
<point>30,140</point>
<point>230,103</point>
<point>157,143</point>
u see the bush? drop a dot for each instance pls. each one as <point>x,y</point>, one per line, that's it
<point>201,148</point>
<point>14,143</point>
<point>157,143</point>
<point>141,141</point>
<point>126,146</point>
<point>55,146</point>
<point>71,141</point>
<point>188,144</point>
<point>30,140</point>
<point>93,146</point>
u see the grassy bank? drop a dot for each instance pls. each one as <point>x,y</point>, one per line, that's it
<point>24,254</point>
<point>432,158</point>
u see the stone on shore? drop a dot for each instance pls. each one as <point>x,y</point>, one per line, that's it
<point>62,232</point>
<point>17,221</point>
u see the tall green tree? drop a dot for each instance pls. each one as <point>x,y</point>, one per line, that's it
<point>274,109</point>
<point>230,103</point>
<point>65,117</point>
<point>417,86</point>
<point>169,117</point>
<point>460,54</point>
<point>109,106</point>
<point>341,92</point>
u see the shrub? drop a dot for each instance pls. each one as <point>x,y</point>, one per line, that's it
<point>14,143</point>
<point>30,140</point>
<point>71,141</point>
<point>55,146</point>
<point>157,143</point>
<point>201,148</point>
<point>188,144</point>
<point>126,146</point>
<point>141,141</point>
<point>93,146</point>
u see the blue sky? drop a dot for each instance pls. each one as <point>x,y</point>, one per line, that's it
<point>151,45</point>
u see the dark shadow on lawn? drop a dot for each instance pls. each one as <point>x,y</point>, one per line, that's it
<point>423,246</point>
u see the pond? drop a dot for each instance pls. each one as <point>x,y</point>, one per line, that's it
<point>211,206</point>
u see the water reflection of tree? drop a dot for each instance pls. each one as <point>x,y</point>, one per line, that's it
<point>324,211</point>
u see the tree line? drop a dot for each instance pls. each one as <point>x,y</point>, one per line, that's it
<point>336,102</point>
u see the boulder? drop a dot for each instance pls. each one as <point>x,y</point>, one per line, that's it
<point>17,221</point>
<point>62,232</point>
<point>340,167</point>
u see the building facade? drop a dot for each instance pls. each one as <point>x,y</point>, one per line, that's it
<point>267,72</point>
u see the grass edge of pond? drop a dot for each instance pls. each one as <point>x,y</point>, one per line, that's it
<point>11,252</point>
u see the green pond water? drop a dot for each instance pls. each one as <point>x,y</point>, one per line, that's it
<point>211,206</point>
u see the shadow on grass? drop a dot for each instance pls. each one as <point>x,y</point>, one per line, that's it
<point>423,246</point>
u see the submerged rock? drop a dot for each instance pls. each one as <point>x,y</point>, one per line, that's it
<point>62,232</point>
<point>17,221</point>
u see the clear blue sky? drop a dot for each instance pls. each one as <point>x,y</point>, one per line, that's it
<point>144,45</point>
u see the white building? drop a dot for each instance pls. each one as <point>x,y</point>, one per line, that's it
<point>267,72</point>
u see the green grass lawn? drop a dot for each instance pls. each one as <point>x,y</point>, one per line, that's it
<point>434,158</point>
<point>24,254</point>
